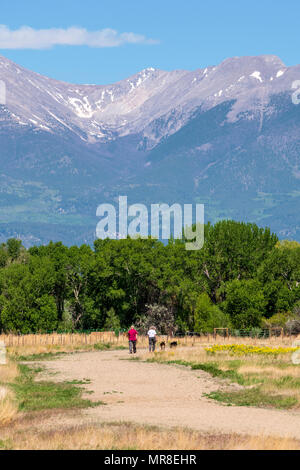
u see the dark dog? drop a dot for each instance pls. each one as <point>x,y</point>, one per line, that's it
<point>173,344</point>
<point>162,346</point>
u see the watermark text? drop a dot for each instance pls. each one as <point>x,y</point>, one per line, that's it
<point>163,222</point>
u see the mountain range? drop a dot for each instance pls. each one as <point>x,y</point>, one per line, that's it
<point>227,136</point>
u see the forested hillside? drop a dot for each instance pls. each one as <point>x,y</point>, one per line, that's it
<point>243,277</point>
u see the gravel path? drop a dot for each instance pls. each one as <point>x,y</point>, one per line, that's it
<point>164,395</point>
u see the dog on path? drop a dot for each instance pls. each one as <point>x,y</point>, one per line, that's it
<point>173,344</point>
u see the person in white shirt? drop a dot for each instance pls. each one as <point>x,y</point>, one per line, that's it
<point>152,338</point>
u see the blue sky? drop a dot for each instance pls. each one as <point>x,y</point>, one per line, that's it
<point>187,34</point>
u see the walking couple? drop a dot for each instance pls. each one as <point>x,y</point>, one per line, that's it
<point>132,337</point>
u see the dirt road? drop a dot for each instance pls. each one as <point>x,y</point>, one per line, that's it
<point>164,395</point>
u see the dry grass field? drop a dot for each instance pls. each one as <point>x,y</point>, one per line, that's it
<point>127,436</point>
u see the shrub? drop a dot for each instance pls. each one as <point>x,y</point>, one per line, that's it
<point>277,320</point>
<point>159,316</point>
<point>293,324</point>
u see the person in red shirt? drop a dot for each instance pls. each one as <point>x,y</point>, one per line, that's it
<point>132,337</point>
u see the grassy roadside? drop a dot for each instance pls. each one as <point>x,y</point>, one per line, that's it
<point>34,395</point>
<point>21,391</point>
<point>253,397</point>
<point>267,381</point>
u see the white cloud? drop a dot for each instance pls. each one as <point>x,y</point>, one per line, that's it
<point>29,38</point>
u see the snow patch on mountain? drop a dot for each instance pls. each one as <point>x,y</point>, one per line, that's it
<point>280,73</point>
<point>256,75</point>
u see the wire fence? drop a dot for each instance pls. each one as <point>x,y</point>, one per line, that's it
<point>59,339</point>
<point>237,333</point>
<point>78,339</point>
<point>119,337</point>
<point>250,332</point>
<point>82,340</point>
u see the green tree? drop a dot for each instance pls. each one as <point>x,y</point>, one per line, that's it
<point>27,304</point>
<point>208,316</point>
<point>3,257</point>
<point>279,298</point>
<point>112,321</point>
<point>245,303</point>
<point>18,316</point>
<point>78,265</point>
<point>14,248</point>
<point>232,250</point>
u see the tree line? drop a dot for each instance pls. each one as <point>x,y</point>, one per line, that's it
<point>242,278</point>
